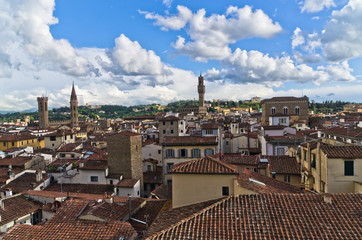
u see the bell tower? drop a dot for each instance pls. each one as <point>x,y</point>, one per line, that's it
<point>73,108</point>
<point>201,91</point>
<point>43,112</point>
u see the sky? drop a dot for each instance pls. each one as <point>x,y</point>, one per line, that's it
<point>131,52</point>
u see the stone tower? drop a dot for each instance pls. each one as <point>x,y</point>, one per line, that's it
<point>201,91</point>
<point>125,155</point>
<point>73,108</point>
<point>43,112</point>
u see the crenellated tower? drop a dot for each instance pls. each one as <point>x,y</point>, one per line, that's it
<point>73,108</point>
<point>201,91</point>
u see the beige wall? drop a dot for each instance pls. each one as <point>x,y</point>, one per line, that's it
<point>357,187</point>
<point>337,182</point>
<point>185,191</point>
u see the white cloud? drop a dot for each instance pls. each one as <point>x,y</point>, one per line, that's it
<point>25,27</point>
<point>167,3</point>
<point>312,6</point>
<point>211,36</point>
<point>297,38</point>
<point>343,33</point>
<point>175,22</point>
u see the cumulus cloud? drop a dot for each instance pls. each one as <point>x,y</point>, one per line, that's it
<point>175,22</point>
<point>312,6</point>
<point>297,38</point>
<point>25,25</point>
<point>211,36</point>
<point>343,33</point>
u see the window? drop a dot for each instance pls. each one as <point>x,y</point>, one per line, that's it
<point>169,167</point>
<point>182,122</point>
<point>313,161</point>
<point>348,168</point>
<point>62,155</point>
<point>274,174</point>
<point>170,153</point>
<point>171,131</point>
<point>296,110</point>
<point>22,143</point>
<point>169,182</point>
<point>305,155</point>
<point>65,137</point>
<point>4,144</point>
<point>280,151</point>
<point>196,153</point>
<point>182,131</point>
<point>227,143</point>
<point>182,153</point>
<point>12,144</point>
<point>287,178</point>
<point>71,136</point>
<point>209,132</point>
<point>32,141</point>
<point>273,110</point>
<point>163,123</point>
<point>159,151</point>
<point>72,155</point>
<point>285,110</point>
<point>149,168</point>
<point>111,182</point>
<point>209,152</point>
<point>171,122</point>
<point>225,191</point>
<point>27,141</point>
<point>94,179</point>
<point>52,138</point>
<point>164,131</point>
<point>282,120</point>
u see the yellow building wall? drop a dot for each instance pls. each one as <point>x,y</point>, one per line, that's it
<point>194,188</point>
<point>337,182</point>
<point>35,143</point>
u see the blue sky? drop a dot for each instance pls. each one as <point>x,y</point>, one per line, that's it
<point>151,51</point>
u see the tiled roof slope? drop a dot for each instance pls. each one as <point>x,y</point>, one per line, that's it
<point>16,207</point>
<point>170,217</point>
<point>190,140</point>
<point>273,216</point>
<point>239,159</point>
<point>81,188</point>
<point>162,192</point>
<point>65,225</point>
<point>342,151</point>
<point>24,183</point>
<point>264,184</point>
<point>205,165</point>
<point>284,164</point>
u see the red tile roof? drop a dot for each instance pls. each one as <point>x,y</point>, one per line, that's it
<point>284,164</point>
<point>24,183</point>
<point>190,140</point>
<point>70,147</point>
<point>262,184</point>
<point>342,151</point>
<point>81,188</point>
<point>65,224</point>
<point>272,216</point>
<point>205,165</point>
<point>127,183</point>
<point>239,159</point>
<point>15,162</point>
<point>16,137</point>
<point>16,207</point>
<point>163,192</point>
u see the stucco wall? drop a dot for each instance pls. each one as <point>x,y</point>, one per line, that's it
<point>193,188</point>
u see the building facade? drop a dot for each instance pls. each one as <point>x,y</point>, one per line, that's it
<point>295,108</point>
<point>43,112</point>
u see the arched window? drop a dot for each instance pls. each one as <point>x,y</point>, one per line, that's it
<point>273,110</point>
<point>296,110</point>
<point>285,110</point>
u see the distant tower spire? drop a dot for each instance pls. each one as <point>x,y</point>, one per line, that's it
<point>73,108</point>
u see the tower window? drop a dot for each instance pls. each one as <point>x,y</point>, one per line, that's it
<point>296,110</point>
<point>285,110</point>
<point>273,110</point>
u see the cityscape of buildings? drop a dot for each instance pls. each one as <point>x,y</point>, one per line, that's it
<point>191,174</point>
<point>166,119</point>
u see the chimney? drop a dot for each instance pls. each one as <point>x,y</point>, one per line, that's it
<point>328,198</point>
<point>8,192</point>
<point>11,173</point>
<point>38,175</point>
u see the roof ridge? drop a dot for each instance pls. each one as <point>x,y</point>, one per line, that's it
<point>190,217</point>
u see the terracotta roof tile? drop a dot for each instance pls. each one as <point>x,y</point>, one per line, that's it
<point>163,192</point>
<point>205,165</point>
<point>81,188</point>
<point>272,216</point>
<point>127,182</point>
<point>284,164</point>
<point>342,151</point>
<point>24,183</point>
<point>190,140</point>
<point>262,184</point>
